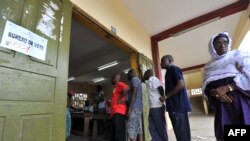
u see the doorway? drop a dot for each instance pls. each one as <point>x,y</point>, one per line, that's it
<point>95,55</point>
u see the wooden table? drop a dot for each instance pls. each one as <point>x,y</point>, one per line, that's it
<point>81,122</point>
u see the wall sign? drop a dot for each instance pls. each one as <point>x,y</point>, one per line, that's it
<point>22,40</point>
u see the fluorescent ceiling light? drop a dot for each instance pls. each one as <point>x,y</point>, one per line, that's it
<point>126,71</point>
<point>98,79</point>
<point>108,65</point>
<point>71,79</point>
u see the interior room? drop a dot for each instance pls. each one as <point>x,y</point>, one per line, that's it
<point>93,60</point>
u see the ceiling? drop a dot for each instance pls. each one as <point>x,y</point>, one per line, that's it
<point>89,51</point>
<point>159,15</point>
<point>191,48</point>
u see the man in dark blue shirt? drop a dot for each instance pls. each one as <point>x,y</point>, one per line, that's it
<point>176,99</point>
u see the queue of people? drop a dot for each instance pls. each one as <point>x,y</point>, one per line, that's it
<point>226,86</point>
<point>126,102</point>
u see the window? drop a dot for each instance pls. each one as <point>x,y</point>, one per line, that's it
<point>79,100</point>
<point>197,91</point>
<point>245,44</point>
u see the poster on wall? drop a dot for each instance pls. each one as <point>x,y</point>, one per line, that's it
<point>24,41</point>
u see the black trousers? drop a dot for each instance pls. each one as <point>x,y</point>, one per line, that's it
<point>118,132</point>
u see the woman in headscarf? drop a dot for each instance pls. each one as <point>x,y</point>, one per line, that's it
<point>227,84</point>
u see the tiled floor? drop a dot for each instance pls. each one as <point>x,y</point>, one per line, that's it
<point>201,130</point>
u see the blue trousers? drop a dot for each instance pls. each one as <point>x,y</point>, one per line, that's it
<point>157,124</point>
<point>181,126</point>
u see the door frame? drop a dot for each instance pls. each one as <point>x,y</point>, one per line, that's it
<point>91,23</point>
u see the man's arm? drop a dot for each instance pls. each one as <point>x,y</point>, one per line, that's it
<point>176,90</point>
<point>133,96</point>
<point>133,92</point>
<point>178,78</point>
<point>161,90</point>
<point>123,92</point>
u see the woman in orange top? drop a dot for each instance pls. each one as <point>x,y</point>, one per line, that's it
<point>118,109</point>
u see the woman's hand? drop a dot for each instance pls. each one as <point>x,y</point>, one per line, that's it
<point>128,113</point>
<point>121,101</point>
<point>222,90</point>
<point>221,94</point>
<point>225,98</point>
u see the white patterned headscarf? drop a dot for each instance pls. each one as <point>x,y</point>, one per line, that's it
<point>223,66</point>
<point>211,49</point>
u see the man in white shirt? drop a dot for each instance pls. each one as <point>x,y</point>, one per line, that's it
<point>157,122</point>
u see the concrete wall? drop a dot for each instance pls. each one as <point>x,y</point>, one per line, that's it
<point>113,12</point>
<point>193,79</point>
